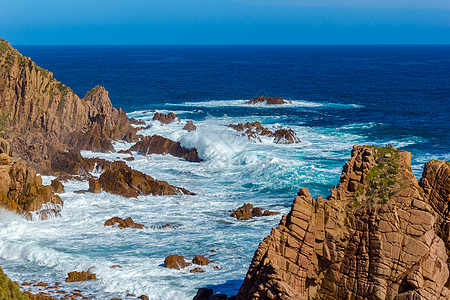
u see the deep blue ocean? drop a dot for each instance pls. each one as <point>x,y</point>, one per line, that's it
<point>342,95</point>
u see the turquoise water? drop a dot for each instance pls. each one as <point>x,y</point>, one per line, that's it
<point>341,96</point>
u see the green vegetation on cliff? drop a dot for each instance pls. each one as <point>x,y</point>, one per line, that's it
<point>9,290</point>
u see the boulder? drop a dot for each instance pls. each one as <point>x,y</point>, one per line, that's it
<point>197,270</point>
<point>80,276</point>
<point>57,186</point>
<point>94,186</point>
<point>166,118</point>
<point>190,126</point>
<point>156,144</point>
<point>123,223</point>
<point>247,211</point>
<point>285,136</point>
<point>200,260</point>
<point>268,100</point>
<point>175,262</point>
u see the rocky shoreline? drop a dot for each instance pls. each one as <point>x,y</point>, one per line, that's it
<point>380,234</point>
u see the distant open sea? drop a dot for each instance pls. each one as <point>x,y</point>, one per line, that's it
<point>342,95</point>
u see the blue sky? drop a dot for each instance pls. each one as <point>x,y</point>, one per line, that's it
<point>109,22</point>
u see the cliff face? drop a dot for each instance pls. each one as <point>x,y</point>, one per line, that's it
<point>41,116</point>
<point>373,237</point>
<point>9,290</point>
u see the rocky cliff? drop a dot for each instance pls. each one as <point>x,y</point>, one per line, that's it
<point>377,236</point>
<point>40,116</point>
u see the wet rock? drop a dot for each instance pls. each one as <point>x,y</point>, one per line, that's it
<point>253,131</point>
<point>165,226</point>
<point>190,126</point>
<point>156,144</point>
<point>143,297</point>
<point>116,267</point>
<point>285,136</point>
<point>80,192</point>
<point>197,270</point>
<point>57,186</point>
<point>131,158</point>
<point>166,118</point>
<point>80,276</point>
<point>268,100</point>
<point>123,223</point>
<point>247,211</point>
<point>4,159</point>
<point>200,260</point>
<point>94,186</point>
<point>124,152</point>
<point>377,240</point>
<point>175,262</point>
<point>203,294</point>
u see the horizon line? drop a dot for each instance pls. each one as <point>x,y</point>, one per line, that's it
<point>287,44</point>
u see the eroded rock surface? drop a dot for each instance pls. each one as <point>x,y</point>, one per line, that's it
<point>41,117</point>
<point>175,262</point>
<point>268,100</point>
<point>189,126</point>
<point>156,144</point>
<point>80,276</point>
<point>372,238</point>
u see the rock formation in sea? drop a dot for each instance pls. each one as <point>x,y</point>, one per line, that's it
<point>268,100</point>
<point>21,189</point>
<point>253,131</point>
<point>166,118</point>
<point>116,177</point>
<point>156,144</point>
<point>41,117</point>
<point>189,126</point>
<point>379,235</point>
<point>123,223</point>
<point>247,211</point>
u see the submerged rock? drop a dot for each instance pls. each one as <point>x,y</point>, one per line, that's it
<point>268,100</point>
<point>373,237</point>
<point>123,223</point>
<point>166,118</point>
<point>285,136</point>
<point>190,126</point>
<point>80,276</point>
<point>175,262</point>
<point>247,211</point>
<point>156,144</point>
<point>197,270</point>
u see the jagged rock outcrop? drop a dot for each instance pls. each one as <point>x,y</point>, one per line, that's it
<point>116,177</point>
<point>41,117</point>
<point>268,100</point>
<point>189,126</point>
<point>166,118</point>
<point>123,223</point>
<point>435,183</point>
<point>21,190</point>
<point>9,290</point>
<point>247,211</point>
<point>253,131</point>
<point>372,238</point>
<point>156,144</point>
<point>200,260</point>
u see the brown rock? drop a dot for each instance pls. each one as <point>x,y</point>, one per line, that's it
<point>268,100</point>
<point>116,267</point>
<point>94,186</point>
<point>156,144</point>
<point>143,297</point>
<point>57,186</point>
<point>247,211</point>
<point>131,158</point>
<point>200,260</point>
<point>166,119</point>
<point>80,276</point>
<point>80,192</point>
<point>175,262</point>
<point>285,136</point>
<point>376,241</point>
<point>4,159</point>
<point>190,126</point>
<point>121,223</point>
<point>197,270</point>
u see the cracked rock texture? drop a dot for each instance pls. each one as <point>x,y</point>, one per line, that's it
<point>374,237</point>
